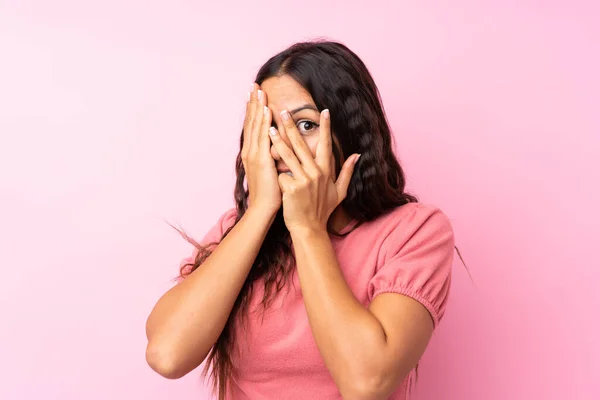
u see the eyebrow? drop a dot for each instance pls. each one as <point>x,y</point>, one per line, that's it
<point>304,107</point>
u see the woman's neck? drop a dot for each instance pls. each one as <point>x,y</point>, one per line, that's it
<point>339,219</point>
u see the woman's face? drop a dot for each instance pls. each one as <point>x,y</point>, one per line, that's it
<point>284,93</point>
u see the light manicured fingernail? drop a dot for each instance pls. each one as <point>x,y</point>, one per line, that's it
<point>356,159</point>
<point>260,94</point>
<point>248,96</point>
<point>265,110</point>
<point>325,113</point>
<point>272,131</point>
<point>285,115</point>
<point>252,88</point>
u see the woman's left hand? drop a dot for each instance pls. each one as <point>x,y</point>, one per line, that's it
<point>313,193</point>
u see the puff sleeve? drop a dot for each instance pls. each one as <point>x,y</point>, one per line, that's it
<point>416,260</point>
<point>214,235</point>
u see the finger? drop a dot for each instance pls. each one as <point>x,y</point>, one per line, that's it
<point>264,143</point>
<point>250,107</point>
<point>343,180</point>
<point>286,154</point>
<point>298,144</point>
<point>258,118</point>
<point>285,182</point>
<point>323,158</point>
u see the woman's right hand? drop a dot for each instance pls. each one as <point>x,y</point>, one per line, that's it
<point>261,173</point>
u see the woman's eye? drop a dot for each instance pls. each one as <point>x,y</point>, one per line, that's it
<point>306,127</point>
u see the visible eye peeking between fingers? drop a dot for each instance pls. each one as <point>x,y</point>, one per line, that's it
<point>306,127</point>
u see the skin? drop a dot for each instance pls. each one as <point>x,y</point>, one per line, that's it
<point>368,351</point>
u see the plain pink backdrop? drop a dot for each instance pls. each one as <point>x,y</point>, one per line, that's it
<point>118,115</point>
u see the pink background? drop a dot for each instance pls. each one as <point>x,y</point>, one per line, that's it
<point>118,115</point>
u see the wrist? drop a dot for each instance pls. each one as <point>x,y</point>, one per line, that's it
<point>263,214</point>
<point>304,232</point>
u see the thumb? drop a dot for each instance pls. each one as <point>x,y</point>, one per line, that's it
<point>343,180</point>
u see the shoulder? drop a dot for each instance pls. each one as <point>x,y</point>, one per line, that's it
<point>410,218</point>
<point>215,233</point>
<point>415,229</point>
<point>228,219</point>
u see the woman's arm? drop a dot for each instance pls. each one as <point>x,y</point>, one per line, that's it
<point>188,319</point>
<point>367,351</point>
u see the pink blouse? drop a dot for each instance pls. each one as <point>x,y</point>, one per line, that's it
<point>407,251</point>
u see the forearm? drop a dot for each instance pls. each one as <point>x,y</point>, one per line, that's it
<point>349,337</point>
<point>188,319</point>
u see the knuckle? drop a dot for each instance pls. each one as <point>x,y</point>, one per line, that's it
<point>251,129</point>
<point>303,183</point>
<point>253,154</point>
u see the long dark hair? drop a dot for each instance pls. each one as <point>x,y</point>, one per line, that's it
<point>338,80</point>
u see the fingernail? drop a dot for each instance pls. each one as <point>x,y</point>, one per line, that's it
<point>252,88</point>
<point>272,131</point>
<point>356,159</point>
<point>285,115</point>
<point>265,110</point>
<point>248,96</point>
<point>260,94</point>
<point>325,113</point>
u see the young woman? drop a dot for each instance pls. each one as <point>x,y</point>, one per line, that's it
<point>327,279</point>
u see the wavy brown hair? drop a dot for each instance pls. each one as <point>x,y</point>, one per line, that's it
<point>338,80</point>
